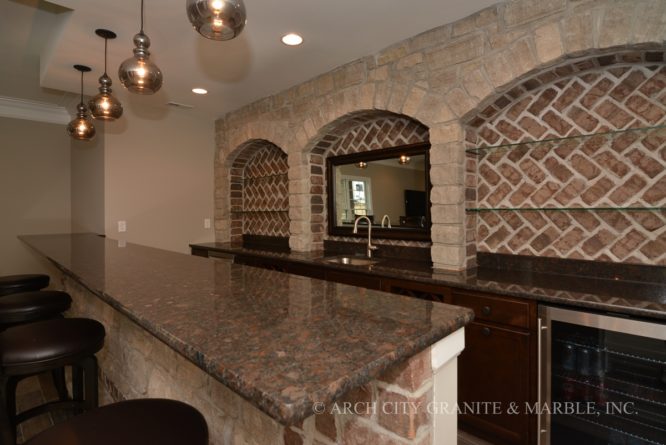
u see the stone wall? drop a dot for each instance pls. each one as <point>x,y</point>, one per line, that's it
<point>135,364</point>
<point>438,78</point>
<point>621,170</point>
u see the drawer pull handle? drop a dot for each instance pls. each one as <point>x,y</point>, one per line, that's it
<point>486,310</point>
<point>486,332</point>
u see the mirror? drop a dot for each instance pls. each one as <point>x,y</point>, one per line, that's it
<point>389,186</point>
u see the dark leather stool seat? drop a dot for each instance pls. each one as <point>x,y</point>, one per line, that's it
<point>36,344</point>
<point>132,422</point>
<point>47,346</point>
<point>12,284</point>
<point>32,306</point>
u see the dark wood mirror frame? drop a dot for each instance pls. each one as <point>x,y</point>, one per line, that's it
<point>414,234</point>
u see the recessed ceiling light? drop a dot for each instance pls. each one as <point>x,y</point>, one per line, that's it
<point>199,91</point>
<point>292,39</point>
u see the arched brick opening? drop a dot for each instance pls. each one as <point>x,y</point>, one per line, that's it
<point>356,132</point>
<point>601,92</point>
<point>258,191</point>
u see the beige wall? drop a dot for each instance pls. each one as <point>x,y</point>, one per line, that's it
<point>159,177</point>
<point>34,187</point>
<point>87,191</point>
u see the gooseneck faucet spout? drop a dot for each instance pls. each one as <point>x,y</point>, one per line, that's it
<point>384,219</point>
<point>370,246</point>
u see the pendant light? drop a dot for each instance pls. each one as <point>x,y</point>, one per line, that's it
<point>138,74</point>
<point>404,160</point>
<point>105,106</point>
<point>217,19</point>
<point>81,127</point>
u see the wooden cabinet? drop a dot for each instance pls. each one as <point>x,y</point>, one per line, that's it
<point>494,368</point>
<point>499,365</point>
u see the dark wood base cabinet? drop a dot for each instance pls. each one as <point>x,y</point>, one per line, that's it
<point>498,367</point>
<point>497,370</point>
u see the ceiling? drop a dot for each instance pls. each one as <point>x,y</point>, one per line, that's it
<point>235,72</point>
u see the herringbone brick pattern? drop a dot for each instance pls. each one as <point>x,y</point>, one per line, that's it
<point>626,169</point>
<point>360,134</point>
<point>381,133</point>
<point>260,192</point>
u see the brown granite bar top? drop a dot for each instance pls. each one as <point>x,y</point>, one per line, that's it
<point>628,290</point>
<point>281,341</point>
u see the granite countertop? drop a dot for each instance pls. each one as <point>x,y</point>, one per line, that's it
<point>635,291</point>
<point>281,341</point>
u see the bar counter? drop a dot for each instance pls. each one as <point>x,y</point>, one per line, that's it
<point>288,345</point>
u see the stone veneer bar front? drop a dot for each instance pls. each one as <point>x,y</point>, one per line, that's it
<point>267,357</point>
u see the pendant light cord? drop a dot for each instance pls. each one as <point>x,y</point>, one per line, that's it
<point>81,86</point>
<point>106,45</point>
<point>141,16</point>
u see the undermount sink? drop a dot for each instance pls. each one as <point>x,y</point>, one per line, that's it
<point>351,261</point>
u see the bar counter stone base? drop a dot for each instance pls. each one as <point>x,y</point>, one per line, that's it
<point>390,410</point>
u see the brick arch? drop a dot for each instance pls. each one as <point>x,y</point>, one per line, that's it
<point>362,130</point>
<point>258,190</point>
<point>562,68</point>
<point>600,92</point>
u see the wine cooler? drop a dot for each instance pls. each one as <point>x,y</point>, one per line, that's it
<point>602,379</point>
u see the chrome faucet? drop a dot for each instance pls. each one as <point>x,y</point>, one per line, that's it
<point>386,218</point>
<point>370,246</point>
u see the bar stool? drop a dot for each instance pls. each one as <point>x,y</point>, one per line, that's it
<point>132,422</point>
<point>45,346</point>
<point>12,284</point>
<point>27,307</point>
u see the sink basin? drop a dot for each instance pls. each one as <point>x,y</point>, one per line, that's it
<point>351,261</point>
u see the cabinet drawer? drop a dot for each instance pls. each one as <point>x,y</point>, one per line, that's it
<point>498,309</point>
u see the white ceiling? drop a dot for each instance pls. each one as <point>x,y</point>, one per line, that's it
<point>236,72</point>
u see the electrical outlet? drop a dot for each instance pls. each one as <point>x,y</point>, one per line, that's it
<point>122,226</point>
<point>207,223</point>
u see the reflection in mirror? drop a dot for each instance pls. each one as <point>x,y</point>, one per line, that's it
<point>391,191</point>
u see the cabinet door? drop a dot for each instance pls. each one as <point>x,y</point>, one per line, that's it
<point>423,291</point>
<point>495,367</point>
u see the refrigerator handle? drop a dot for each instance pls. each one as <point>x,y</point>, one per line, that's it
<point>543,384</point>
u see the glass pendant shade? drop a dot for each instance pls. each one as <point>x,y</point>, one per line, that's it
<point>81,127</point>
<point>217,19</point>
<point>138,74</point>
<point>105,106</point>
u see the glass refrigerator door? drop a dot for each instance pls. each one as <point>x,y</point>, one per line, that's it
<point>607,387</point>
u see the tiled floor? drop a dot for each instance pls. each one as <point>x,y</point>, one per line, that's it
<point>37,390</point>
<point>32,392</point>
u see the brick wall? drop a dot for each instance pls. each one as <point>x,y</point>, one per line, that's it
<point>439,78</point>
<point>259,192</point>
<point>623,170</point>
<point>371,132</point>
